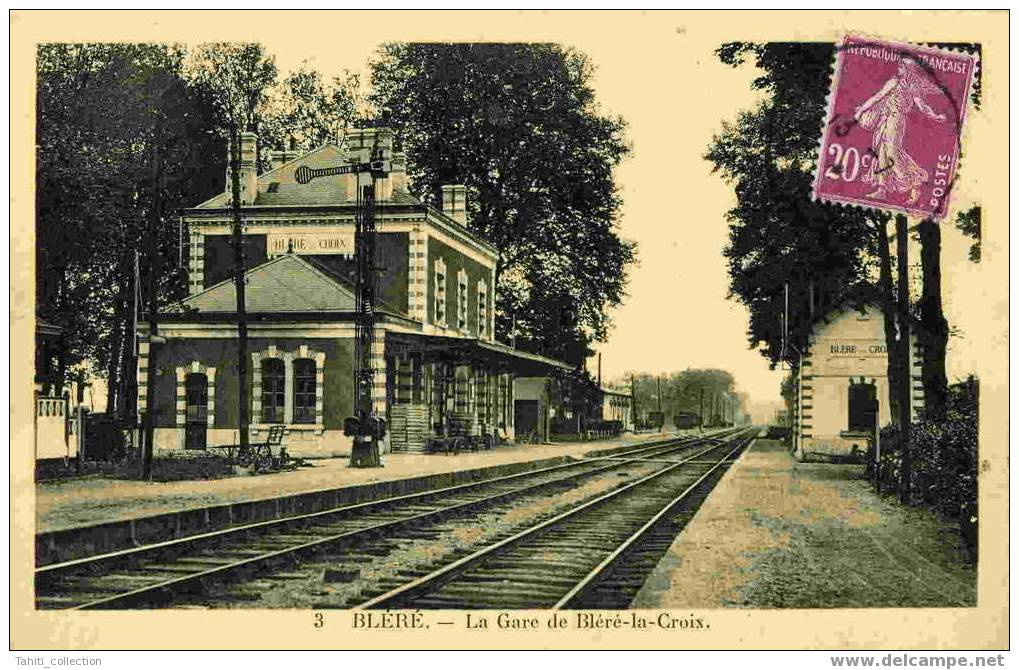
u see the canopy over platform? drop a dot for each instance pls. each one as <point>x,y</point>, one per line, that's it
<point>467,349</point>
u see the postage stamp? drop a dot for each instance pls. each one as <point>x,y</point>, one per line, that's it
<point>892,133</point>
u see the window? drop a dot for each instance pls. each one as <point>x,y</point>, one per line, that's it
<point>461,301</point>
<point>197,393</point>
<point>482,309</point>
<point>304,390</point>
<point>273,390</point>
<point>288,388</point>
<point>440,292</point>
<point>482,382</point>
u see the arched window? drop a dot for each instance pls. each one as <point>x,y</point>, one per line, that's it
<point>273,390</point>
<point>304,390</point>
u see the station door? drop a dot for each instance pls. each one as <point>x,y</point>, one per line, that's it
<point>195,427</point>
<point>862,407</point>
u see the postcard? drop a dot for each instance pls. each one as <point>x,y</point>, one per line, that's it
<point>509,330</point>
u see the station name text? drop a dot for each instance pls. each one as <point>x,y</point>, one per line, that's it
<point>520,622</point>
<point>840,349</point>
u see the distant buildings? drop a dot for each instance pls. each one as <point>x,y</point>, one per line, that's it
<point>617,405</point>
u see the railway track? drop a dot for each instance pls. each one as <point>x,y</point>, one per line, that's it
<point>184,569</point>
<point>594,556</point>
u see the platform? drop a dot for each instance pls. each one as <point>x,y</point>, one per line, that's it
<point>71,503</point>
<point>779,533</point>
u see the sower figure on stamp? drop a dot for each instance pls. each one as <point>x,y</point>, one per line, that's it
<point>886,114</point>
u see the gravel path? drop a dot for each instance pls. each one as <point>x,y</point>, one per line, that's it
<point>782,534</point>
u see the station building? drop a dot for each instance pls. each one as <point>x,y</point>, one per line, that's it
<point>436,361</point>
<point>551,408</point>
<point>841,385</point>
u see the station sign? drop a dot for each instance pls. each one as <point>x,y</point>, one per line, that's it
<point>855,349</point>
<point>311,243</point>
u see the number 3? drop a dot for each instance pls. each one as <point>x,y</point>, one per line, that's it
<point>319,620</point>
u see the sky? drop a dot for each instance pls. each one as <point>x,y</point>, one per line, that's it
<point>659,72</point>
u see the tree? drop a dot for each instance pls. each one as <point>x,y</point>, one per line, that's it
<point>98,110</point>
<point>307,112</point>
<point>779,237</point>
<point>710,393</point>
<point>933,326</point>
<point>518,124</point>
<point>239,76</point>
<point>968,223</point>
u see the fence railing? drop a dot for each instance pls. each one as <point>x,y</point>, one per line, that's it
<point>51,406</point>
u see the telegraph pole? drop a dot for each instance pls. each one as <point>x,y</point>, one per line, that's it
<point>905,370</point>
<point>237,241</point>
<point>633,399</point>
<point>148,425</point>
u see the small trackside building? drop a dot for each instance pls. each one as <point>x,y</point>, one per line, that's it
<point>841,385</point>
<point>436,362</point>
<point>617,406</point>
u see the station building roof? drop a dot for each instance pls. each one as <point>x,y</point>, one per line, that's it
<point>277,190</point>
<point>287,283</point>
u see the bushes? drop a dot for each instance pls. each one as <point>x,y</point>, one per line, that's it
<point>177,465</point>
<point>944,460</point>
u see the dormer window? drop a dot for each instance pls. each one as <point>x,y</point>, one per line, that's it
<point>461,300</point>
<point>439,292</point>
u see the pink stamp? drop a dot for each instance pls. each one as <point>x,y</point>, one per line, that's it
<point>891,139</point>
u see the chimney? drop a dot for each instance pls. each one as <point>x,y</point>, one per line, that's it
<point>399,172</point>
<point>361,143</point>
<point>279,157</point>
<point>248,167</point>
<point>454,202</point>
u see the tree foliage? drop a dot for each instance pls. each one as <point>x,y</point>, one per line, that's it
<point>238,76</point>
<point>688,391</point>
<point>306,111</point>
<point>518,124</point>
<point>968,223</point>
<point>105,112</point>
